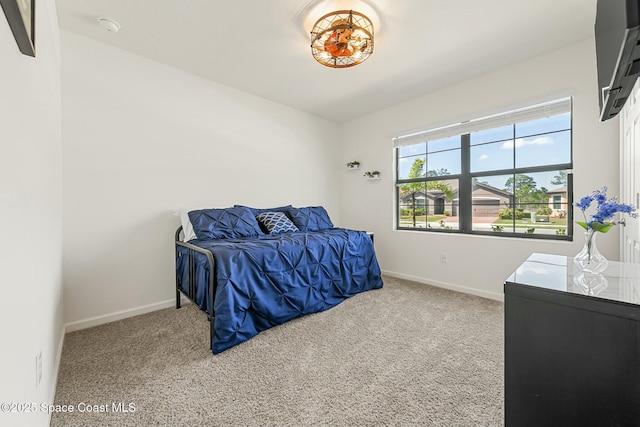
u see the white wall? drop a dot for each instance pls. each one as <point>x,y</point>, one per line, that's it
<point>142,140</point>
<point>478,264</point>
<point>31,217</point>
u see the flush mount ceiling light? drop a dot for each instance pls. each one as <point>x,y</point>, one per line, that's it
<point>342,39</point>
<point>109,25</point>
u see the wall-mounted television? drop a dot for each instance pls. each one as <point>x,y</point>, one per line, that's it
<point>617,34</point>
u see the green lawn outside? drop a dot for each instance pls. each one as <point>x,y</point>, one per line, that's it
<point>526,223</point>
<point>420,219</point>
<point>522,224</point>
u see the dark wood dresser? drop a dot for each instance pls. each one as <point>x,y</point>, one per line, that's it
<point>572,345</point>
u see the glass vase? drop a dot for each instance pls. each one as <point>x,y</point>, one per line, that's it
<point>590,283</point>
<point>589,259</point>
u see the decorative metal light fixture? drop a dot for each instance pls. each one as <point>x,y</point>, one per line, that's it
<point>342,39</point>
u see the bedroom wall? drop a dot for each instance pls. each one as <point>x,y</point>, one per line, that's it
<point>478,264</point>
<point>31,218</point>
<point>142,140</point>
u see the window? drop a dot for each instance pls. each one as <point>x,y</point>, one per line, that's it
<point>507,174</point>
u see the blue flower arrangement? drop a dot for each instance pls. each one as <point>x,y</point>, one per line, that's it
<point>606,210</point>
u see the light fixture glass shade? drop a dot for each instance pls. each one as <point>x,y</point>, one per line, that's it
<point>342,39</point>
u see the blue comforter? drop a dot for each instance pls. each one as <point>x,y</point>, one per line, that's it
<point>266,281</point>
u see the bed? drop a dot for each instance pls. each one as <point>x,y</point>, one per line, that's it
<point>252,269</point>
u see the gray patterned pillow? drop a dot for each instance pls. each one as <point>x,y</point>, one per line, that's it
<point>276,222</point>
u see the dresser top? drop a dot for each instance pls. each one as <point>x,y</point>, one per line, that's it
<point>620,282</point>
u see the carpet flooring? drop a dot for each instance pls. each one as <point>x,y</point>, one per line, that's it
<point>404,355</point>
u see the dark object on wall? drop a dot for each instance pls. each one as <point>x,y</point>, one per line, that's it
<point>617,32</point>
<point>22,20</point>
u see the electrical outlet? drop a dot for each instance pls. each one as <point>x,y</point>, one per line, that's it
<point>443,257</point>
<point>38,368</point>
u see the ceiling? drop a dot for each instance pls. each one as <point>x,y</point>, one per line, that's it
<point>262,46</point>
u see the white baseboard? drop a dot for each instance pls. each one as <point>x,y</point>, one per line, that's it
<point>56,369</point>
<point>119,315</point>
<point>445,285</point>
<point>123,314</point>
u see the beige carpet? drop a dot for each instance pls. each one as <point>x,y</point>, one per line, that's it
<point>405,355</point>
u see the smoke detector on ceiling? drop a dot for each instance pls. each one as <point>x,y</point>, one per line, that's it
<point>109,25</point>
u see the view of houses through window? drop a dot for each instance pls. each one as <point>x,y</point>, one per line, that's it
<point>509,179</point>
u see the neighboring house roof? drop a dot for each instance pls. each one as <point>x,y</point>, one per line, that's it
<point>501,194</point>
<point>558,190</point>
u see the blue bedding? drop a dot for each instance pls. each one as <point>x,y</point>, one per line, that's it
<point>268,280</point>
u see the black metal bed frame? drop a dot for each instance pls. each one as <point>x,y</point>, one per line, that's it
<point>191,272</point>
<point>191,292</point>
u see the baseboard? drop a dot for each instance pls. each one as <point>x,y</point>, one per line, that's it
<point>446,285</point>
<point>123,314</point>
<point>56,369</point>
<point>119,315</point>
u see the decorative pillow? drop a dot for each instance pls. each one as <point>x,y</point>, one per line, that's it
<point>257,211</point>
<point>311,218</point>
<point>276,222</point>
<point>229,223</point>
<point>187,228</point>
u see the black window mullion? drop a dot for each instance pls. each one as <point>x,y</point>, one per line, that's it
<point>429,178</point>
<point>397,165</point>
<point>527,170</point>
<point>569,229</point>
<point>465,209</point>
<point>515,197</point>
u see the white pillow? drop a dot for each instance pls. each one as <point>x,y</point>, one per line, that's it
<point>187,227</point>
